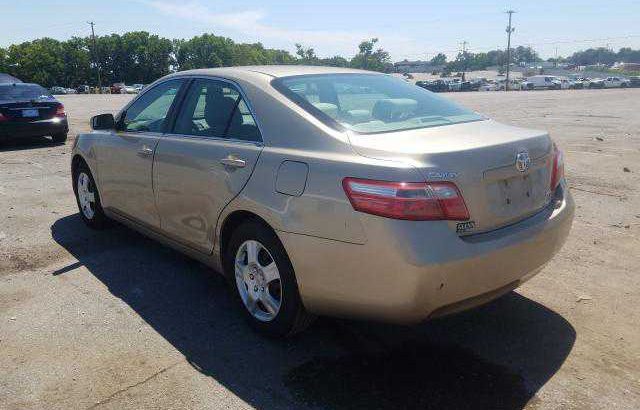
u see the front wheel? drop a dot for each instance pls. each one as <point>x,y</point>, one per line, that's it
<point>88,199</point>
<point>260,271</point>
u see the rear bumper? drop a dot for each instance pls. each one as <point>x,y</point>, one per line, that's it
<point>409,271</point>
<point>34,129</point>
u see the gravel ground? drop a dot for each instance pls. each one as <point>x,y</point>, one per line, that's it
<point>113,320</point>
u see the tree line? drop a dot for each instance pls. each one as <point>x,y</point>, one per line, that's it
<point>141,57</point>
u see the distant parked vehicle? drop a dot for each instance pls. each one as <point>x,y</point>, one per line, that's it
<point>437,86</point>
<point>579,82</point>
<point>472,85</point>
<point>83,89</point>
<point>105,90</point>
<point>634,81</point>
<point>542,82</point>
<point>55,90</point>
<point>514,85</point>
<point>455,84</point>
<point>29,110</point>
<point>138,87</point>
<point>71,91</point>
<point>118,88</point>
<point>616,82</point>
<point>129,89</point>
<point>595,83</point>
<point>489,85</point>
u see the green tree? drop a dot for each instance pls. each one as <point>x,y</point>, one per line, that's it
<point>306,55</point>
<point>38,61</point>
<point>439,59</point>
<point>368,59</point>
<point>4,64</point>
<point>523,54</point>
<point>204,51</point>
<point>335,61</point>
<point>593,56</point>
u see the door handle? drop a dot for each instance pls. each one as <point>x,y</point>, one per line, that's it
<point>145,151</point>
<point>232,161</point>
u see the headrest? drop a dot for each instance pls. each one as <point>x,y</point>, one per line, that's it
<point>217,110</point>
<point>330,109</point>
<point>394,109</point>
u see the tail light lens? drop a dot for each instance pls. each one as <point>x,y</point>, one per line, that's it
<point>557,170</point>
<point>416,201</point>
<point>60,113</point>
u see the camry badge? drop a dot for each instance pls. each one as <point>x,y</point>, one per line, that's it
<point>522,161</point>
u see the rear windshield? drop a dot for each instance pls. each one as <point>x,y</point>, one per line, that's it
<point>23,92</point>
<point>371,103</point>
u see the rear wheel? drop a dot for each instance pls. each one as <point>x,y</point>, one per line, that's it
<point>87,198</point>
<point>259,270</point>
<point>59,138</point>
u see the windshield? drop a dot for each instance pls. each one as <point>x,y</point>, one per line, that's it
<point>371,103</point>
<point>23,92</point>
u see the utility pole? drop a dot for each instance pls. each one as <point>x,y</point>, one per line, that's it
<point>510,30</point>
<point>95,55</point>
<point>466,60</point>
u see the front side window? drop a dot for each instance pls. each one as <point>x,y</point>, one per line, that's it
<point>215,108</point>
<point>371,103</point>
<point>148,113</point>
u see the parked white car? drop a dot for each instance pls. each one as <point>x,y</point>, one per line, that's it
<point>616,82</point>
<point>542,82</point>
<point>488,86</point>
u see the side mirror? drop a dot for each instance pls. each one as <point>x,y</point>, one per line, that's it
<point>103,122</point>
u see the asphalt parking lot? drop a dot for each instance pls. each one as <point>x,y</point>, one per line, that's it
<point>112,320</point>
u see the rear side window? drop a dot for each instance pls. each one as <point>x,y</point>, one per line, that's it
<point>15,92</point>
<point>148,113</point>
<point>216,109</point>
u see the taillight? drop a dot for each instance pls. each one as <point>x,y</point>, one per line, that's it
<point>60,111</point>
<point>557,168</point>
<point>416,201</point>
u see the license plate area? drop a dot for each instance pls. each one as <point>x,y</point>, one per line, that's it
<point>519,194</point>
<point>30,113</point>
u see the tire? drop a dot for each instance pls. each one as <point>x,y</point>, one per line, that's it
<point>91,212</point>
<point>59,138</point>
<point>623,85</point>
<point>253,281</point>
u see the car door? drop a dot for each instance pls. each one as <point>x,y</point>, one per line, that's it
<point>204,162</point>
<point>125,156</point>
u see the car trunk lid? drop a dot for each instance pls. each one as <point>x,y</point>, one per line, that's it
<point>28,110</point>
<point>480,158</point>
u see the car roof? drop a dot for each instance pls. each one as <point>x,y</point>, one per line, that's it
<point>19,84</point>
<point>275,71</point>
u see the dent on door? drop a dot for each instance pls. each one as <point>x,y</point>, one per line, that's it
<point>194,180</point>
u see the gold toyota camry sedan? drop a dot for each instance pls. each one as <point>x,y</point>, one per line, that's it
<point>327,191</point>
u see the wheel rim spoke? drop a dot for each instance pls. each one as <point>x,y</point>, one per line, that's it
<point>251,303</point>
<point>252,252</point>
<point>269,302</point>
<point>271,272</point>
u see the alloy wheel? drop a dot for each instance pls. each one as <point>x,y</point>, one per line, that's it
<point>258,280</point>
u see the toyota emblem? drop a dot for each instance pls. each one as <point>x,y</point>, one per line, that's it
<point>522,161</point>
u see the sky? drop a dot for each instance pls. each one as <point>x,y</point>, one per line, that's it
<point>407,29</point>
